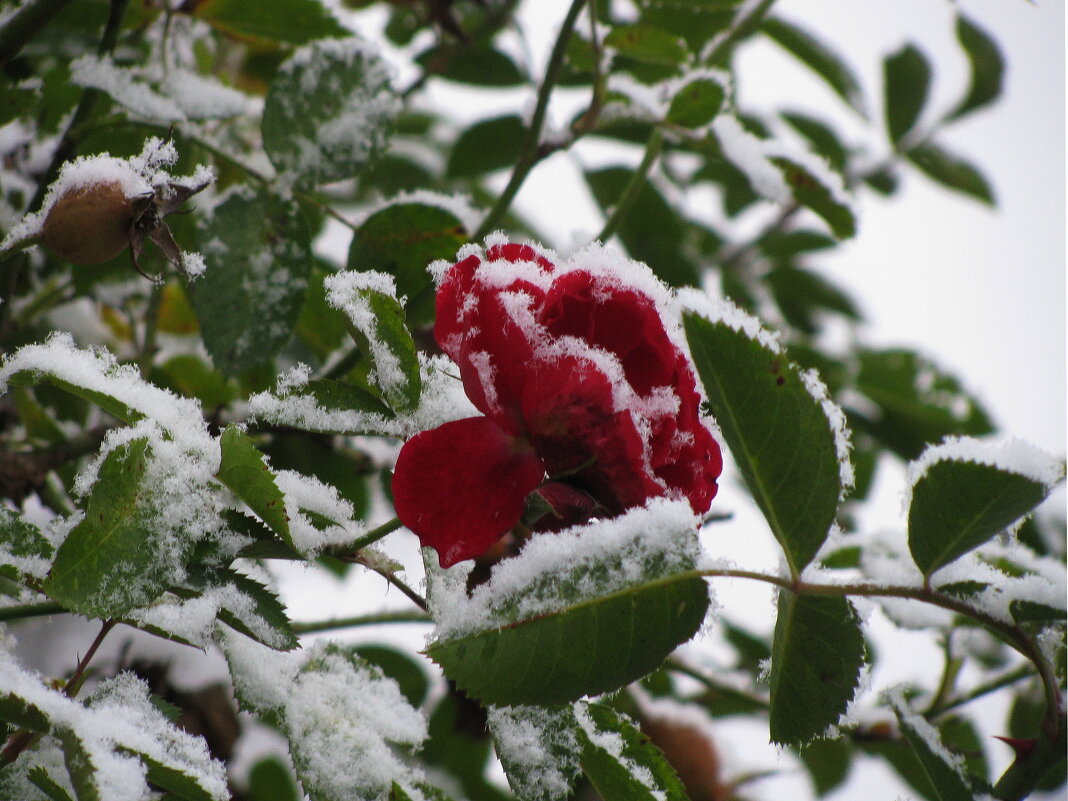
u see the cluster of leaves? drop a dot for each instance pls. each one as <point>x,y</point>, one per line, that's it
<point>165,500</point>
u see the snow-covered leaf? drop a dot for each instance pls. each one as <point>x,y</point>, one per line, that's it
<point>290,21</point>
<point>952,171</point>
<point>329,111</point>
<point>623,588</point>
<point>401,240</point>
<point>624,636</point>
<point>42,780</point>
<point>620,761</point>
<point>24,549</point>
<point>816,193</point>
<point>106,565</point>
<point>819,58</point>
<point>791,454</point>
<point>943,769</point>
<point>907,77</point>
<point>245,471</point>
<point>816,656</point>
<point>987,67</point>
<point>109,403</point>
<point>345,722</point>
<point>539,749</point>
<point>824,140</point>
<point>258,255</point>
<point>964,492</point>
<point>369,300</point>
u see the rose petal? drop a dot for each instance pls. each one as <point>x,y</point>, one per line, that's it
<point>570,413</point>
<point>622,320</point>
<point>460,487</point>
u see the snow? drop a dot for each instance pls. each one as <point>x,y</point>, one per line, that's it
<point>1011,456</point>
<point>722,310</point>
<point>118,715</point>
<point>542,745</point>
<point>750,154</point>
<point>836,418</point>
<point>556,570</point>
<point>613,744</point>
<point>340,716</point>
<point>350,292</point>
<point>925,731</point>
<point>442,400</point>
<point>365,106</point>
<point>309,494</point>
<point>149,92</point>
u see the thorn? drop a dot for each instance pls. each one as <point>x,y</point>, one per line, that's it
<point>1022,747</point>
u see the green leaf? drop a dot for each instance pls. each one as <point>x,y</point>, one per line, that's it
<point>486,146</point>
<point>951,171</point>
<point>329,111</point>
<point>41,779</point>
<point>828,763</point>
<point>258,614</point>
<point>918,403</point>
<point>816,656</point>
<point>289,21</point>
<point>172,779</point>
<point>459,746</point>
<point>824,140</point>
<point>620,761</point>
<point>190,376</point>
<point>958,505</point>
<point>402,240</point>
<point>907,77</point>
<point>24,714</point>
<point>80,766</point>
<point>778,433</point>
<point>987,66</point>
<point>338,395</point>
<point>1031,612</point>
<point>113,406</point>
<point>819,58</point>
<point>271,780</point>
<point>802,295</point>
<point>377,324</point>
<point>625,635</point>
<point>811,191</point>
<point>696,21</point>
<point>652,232</point>
<point>647,44</point>
<point>244,470</point>
<point>696,103</point>
<point>476,64</point>
<point>258,255</point>
<point>107,565</point>
<point>944,774</point>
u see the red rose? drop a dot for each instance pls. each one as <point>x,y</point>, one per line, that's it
<point>578,379</point>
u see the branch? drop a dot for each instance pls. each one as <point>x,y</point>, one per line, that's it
<point>360,620</point>
<point>634,185</point>
<point>529,151</point>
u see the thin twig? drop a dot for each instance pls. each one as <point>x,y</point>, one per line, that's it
<point>528,152</point>
<point>634,185</point>
<point>360,620</point>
